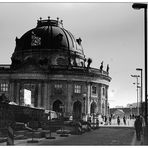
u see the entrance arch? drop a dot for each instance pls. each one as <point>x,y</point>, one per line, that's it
<point>77,110</point>
<point>93,108</point>
<point>56,106</point>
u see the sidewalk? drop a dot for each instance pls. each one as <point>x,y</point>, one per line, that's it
<point>135,141</point>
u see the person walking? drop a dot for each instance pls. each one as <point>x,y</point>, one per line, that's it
<point>105,120</point>
<point>118,120</point>
<point>110,120</point>
<point>138,127</point>
<point>124,120</point>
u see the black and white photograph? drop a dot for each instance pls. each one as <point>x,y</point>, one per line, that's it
<point>73,73</point>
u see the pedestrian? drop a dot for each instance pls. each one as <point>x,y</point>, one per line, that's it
<point>118,120</point>
<point>110,120</point>
<point>105,120</point>
<point>143,123</point>
<point>138,127</point>
<point>124,120</point>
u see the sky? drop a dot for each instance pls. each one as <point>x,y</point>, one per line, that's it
<point>110,32</point>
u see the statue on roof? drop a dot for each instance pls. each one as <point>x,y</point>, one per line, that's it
<point>107,69</point>
<point>89,61</point>
<point>101,67</point>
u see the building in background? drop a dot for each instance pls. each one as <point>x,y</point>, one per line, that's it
<point>124,111</point>
<point>49,64</point>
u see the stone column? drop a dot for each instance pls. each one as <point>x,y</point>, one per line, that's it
<point>17,91</point>
<point>39,95</point>
<point>107,100</point>
<point>86,98</point>
<point>11,91</point>
<point>69,94</point>
<point>48,101</point>
<point>89,99</point>
<point>45,96</point>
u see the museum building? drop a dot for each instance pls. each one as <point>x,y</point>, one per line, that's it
<point>49,70</point>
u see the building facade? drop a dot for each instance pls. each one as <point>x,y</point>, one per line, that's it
<point>49,63</point>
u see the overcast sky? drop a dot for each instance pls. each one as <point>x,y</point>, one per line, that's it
<point>110,32</point>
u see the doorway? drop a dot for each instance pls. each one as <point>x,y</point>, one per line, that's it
<point>77,110</point>
<point>56,106</point>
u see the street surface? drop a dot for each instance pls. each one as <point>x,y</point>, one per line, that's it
<point>102,136</point>
<point>106,135</point>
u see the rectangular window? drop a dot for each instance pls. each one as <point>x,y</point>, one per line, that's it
<point>58,86</point>
<point>103,91</point>
<point>94,90</point>
<point>77,89</point>
<point>4,87</point>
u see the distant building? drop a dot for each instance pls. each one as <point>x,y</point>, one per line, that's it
<point>127,111</point>
<point>118,106</point>
<point>133,105</point>
<point>118,112</point>
<point>49,64</point>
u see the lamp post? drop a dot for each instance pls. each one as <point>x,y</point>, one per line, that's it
<point>136,76</point>
<point>144,6</point>
<point>139,69</point>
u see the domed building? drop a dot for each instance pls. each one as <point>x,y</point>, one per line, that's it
<point>49,70</point>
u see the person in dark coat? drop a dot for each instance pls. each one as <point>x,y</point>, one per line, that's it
<point>138,127</point>
<point>118,120</point>
<point>105,120</point>
<point>110,120</point>
<point>124,120</point>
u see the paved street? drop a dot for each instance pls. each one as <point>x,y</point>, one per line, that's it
<point>102,136</point>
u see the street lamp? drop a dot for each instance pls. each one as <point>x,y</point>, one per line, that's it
<point>139,69</point>
<point>144,6</point>
<point>136,76</point>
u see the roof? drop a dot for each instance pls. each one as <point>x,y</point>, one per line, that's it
<point>48,34</point>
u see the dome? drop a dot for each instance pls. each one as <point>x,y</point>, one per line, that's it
<point>48,40</point>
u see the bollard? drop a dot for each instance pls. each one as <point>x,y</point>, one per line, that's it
<point>10,138</point>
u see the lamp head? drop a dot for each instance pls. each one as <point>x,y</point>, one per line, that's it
<point>139,69</point>
<point>139,6</point>
<point>135,76</point>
